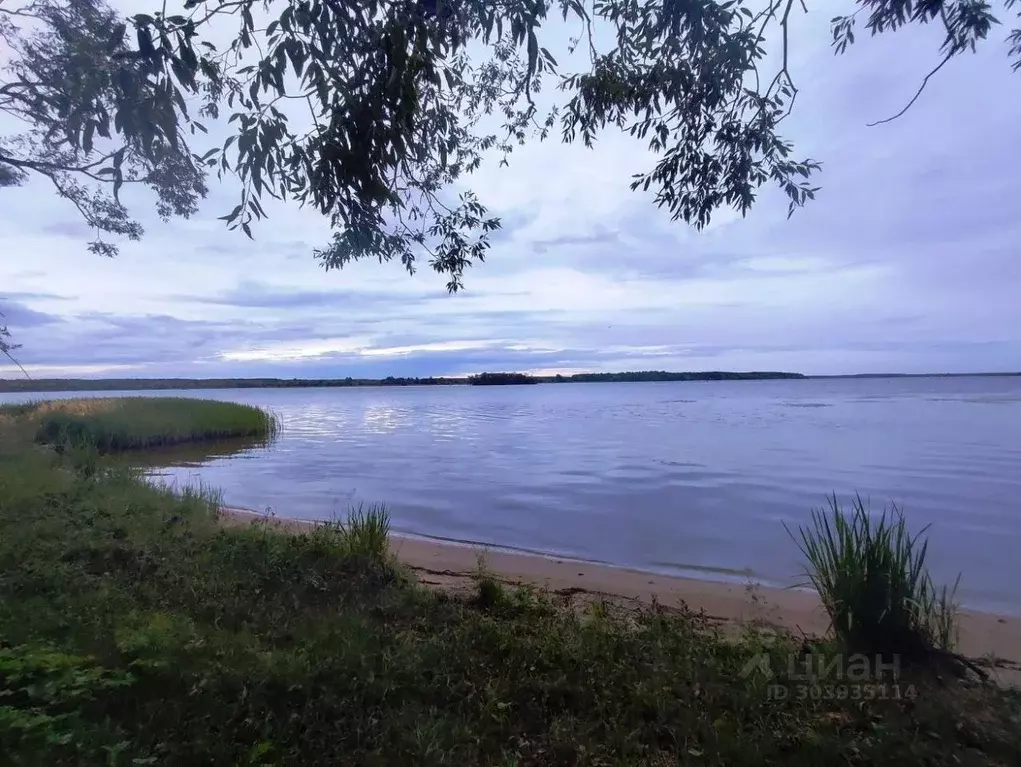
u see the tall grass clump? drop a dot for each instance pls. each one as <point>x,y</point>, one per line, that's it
<point>366,532</point>
<point>871,576</point>
<point>133,423</point>
<point>489,592</point>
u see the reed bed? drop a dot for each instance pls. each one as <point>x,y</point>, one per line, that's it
<point>136,423</point>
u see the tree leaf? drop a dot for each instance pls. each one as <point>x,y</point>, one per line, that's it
<point>90,129</point>
<point>116,37</point>
<point>145,46</point>
<point>232,215</point>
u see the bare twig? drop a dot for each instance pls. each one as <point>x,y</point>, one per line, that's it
<point>27,12</point>
<point>7,348</point>
<point>784,71</point>
<point>227,7</point>
<point>7,353</point>
<point>63,192</point>
<point>956,45</point>
<point>918,93</point>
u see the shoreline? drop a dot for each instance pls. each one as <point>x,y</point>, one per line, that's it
<point>17,385</point>
<point>452,566</point>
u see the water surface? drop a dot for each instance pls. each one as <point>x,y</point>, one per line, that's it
<point>692,478</point>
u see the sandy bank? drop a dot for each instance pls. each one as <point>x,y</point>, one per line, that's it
<point>451,566</point>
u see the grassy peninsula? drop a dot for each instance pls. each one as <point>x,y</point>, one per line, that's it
<point>135,629</point>
<point>134,423</point>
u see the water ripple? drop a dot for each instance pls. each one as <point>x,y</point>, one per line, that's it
<point>680,477</point>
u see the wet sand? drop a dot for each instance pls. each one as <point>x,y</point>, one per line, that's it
<point>452,566</point>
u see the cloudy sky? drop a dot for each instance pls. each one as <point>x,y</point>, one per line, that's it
<point>907,261</point>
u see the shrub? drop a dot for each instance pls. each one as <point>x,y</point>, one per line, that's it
<point>871,576</point>
<point>366,533</point>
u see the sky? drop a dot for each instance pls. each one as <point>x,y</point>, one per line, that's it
<point>906,262</point>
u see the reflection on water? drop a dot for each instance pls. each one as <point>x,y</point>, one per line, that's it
<point>694,478</point>
<point>447,424</point>
<point>383,419</point>
<point>195,454</point>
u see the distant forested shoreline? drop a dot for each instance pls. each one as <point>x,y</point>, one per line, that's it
<point>502,379</point>
<point>484,379</point>
<point>43,385</point>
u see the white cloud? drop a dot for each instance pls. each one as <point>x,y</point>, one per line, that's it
<point>302,350</point>
<point>442,346</point>
<point>71,371</point>
<point>906,261</point>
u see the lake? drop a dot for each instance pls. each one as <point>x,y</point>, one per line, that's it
<point>686,478</point>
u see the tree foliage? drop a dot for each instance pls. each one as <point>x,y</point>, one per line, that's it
<point>94,115</point>
<point>370,111</point>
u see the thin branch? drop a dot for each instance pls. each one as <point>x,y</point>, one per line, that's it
<point>766,16</point>
<point>7,353</point>
<point>25,12</point>
<point>43,166</point>
<point>227,7</point>
<point>918,93</point>
<point>48,167</point>
<point>784,71</point>
<point>89,219</point>
<point>6,348</point>
<point>593,53</point>
<point>956,45</point>
<point>7,89</point>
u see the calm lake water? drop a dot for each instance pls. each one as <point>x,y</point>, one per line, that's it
<point>692,478</point>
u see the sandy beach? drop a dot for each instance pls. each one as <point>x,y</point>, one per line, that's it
<point>452,566</point>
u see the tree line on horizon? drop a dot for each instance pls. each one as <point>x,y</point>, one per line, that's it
<point>122,384</point>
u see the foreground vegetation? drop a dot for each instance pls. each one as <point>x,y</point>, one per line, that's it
<point>135,629</point>
<point>131,423</point>
<point>871,576</point>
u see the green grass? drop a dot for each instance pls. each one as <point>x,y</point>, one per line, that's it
<point>366,533</point>
<point>870,574</point>
<point>132,423</point>
<point>135,630</point>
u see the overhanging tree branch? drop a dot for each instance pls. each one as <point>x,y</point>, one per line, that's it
<point>398,106</point>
